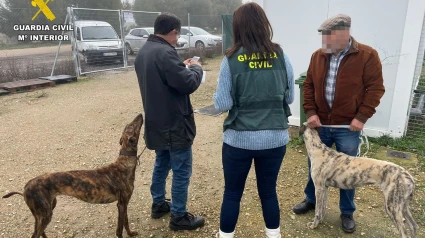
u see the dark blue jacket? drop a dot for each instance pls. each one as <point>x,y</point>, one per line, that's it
<point>165,85</point>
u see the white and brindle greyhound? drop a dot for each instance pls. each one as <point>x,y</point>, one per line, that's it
<point>335,169</point>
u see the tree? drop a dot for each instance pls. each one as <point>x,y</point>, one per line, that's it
<point>200,13</point>
<point>225,6</point>
<point>144,5</point>
<point>102,4</point>
<point>112,17</point>
<point>126,5</point>
<point>204,13</point>
<point>18,12</point>
<point>147,19</point>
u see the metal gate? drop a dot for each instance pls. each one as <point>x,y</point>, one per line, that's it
<point>136,27</point>
<point>416,120</point>
<point>102,39</point>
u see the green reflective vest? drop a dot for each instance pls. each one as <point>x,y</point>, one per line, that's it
<point>259,90</point>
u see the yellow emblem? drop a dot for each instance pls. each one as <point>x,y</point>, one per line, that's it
<point>43,8</point>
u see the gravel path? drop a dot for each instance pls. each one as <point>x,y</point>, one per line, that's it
<point>35,51</point>
<point>78,126</point>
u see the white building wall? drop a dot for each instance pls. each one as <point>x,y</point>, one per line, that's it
<point>392,27</point>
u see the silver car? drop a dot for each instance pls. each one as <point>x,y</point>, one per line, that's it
<point>137,37</point>
<point>97,41</point>
<point>200,38</point>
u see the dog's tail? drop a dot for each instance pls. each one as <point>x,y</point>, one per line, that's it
<point>11,194</point>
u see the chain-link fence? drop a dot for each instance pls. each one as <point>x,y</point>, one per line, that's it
<point>31,57</point>
<point>137,26</point>
<point>99,40</point>
<point>416,123</point>
<point>204,35</point>
<point>211,31</point>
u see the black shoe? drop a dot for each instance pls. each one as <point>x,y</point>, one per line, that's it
<point>186,222</point>
<point>159,210</point>
<point>303,207</point>
<point>348,223</point>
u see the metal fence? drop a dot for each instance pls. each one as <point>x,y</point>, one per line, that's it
<point>97,39</point>
<point>136,27</point>
<point>101,40</point>
<point>416,122</point>
<point>30,59</point>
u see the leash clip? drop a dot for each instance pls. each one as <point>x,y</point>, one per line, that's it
<point>362,141</point>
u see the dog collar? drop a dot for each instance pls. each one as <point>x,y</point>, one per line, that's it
<point>132,153</point>
<point>128,153</point>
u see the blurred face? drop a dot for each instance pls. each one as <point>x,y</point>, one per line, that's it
<point>334,41</point>
<point>173,37</point>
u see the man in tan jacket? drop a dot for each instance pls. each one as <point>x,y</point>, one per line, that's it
<point>343,87</point>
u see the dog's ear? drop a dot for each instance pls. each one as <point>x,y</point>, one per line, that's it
<point>302,130</point>
<point>123,134</point>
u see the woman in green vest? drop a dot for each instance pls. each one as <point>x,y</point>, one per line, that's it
<point>256,85</point>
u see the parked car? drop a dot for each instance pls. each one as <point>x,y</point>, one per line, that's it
<point>97,41</point>
<point>200,38</point>
<point>137,37</point>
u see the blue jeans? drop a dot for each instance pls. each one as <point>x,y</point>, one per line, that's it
<point>180,161</point>
<point>347,142</point>
<point>236,165</point>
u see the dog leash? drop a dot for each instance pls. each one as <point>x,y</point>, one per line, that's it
<point>138,157</point>
<point>362,141</point>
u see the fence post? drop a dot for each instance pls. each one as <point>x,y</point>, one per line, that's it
<point>59,47</point>
<point>124,53</point>
<point>73,42</point>
<point>300,82</point>
<point>222,36</point>
<point>188,24</point>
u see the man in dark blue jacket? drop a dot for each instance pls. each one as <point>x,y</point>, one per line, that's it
<point>165,85</point>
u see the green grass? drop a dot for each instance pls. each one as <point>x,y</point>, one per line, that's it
<point>296,142</point>
<point>415,145</point>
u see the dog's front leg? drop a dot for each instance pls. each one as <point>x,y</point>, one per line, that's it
<point>323,205</point>
<point>319,208</point>
<point>127,227</point>
<point>121,217</point>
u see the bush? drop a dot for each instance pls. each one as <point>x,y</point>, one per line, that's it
<point>14,69</point>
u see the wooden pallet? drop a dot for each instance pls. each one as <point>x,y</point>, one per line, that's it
<point>26,85</point>
<point>3,92</point>
<point>61,78</point>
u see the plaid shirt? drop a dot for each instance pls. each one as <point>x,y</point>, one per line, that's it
<point>332,73</point>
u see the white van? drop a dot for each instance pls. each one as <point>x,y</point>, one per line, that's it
<point>97,41</point>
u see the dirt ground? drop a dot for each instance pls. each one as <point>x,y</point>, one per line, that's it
<point>78,126</point>
<point>34,51</point>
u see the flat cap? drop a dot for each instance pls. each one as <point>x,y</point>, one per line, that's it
<point>333,23</point>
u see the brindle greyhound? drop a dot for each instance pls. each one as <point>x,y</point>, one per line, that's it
<point>113,182</point>
<point>332,168</point>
